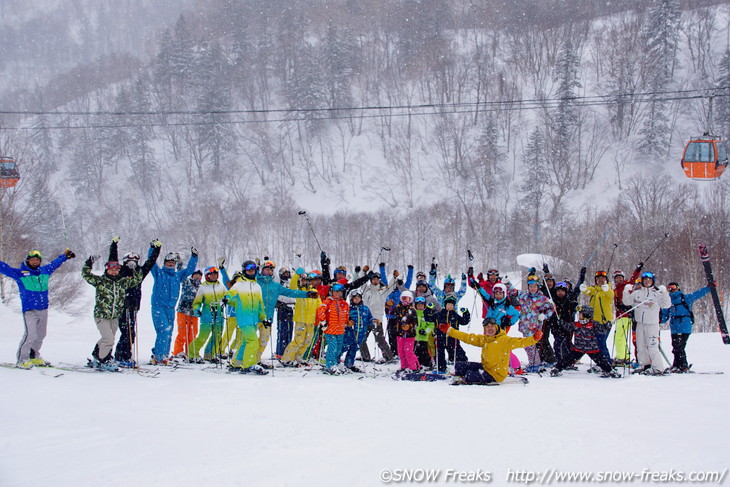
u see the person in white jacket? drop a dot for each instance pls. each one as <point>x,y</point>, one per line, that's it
<point>648,300</point>
<point>374,295</point>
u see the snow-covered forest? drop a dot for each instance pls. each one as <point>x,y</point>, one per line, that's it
<point>427,126</point>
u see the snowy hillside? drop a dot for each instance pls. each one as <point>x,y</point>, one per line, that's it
<point>199,427</point>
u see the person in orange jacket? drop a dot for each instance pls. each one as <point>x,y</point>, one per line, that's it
<point>333,315</point>
<point>496,348</point>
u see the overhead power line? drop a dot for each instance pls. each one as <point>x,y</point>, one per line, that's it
<point>321,114</point>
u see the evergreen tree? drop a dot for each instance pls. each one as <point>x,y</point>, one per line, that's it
<point>722,102</point>
<point>535,176</point>
<point>660,38</point>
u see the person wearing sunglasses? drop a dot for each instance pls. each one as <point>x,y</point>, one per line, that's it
<point>165,293</point>
<point>133,300</point>
<point>600,298</point>
<point>32,280</point>
<point>681,319</point>
<point>111,292</point>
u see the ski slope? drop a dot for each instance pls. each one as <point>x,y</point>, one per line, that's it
<point>195,427</point>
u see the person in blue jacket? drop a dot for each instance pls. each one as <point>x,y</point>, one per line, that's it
<point>165,292</point>
<point>360,322</point>
<point>681,319</point>
<point>32,281</point>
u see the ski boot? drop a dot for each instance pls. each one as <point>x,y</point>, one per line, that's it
<point>127,364</point>
<point>555,373</point>
<point>254,369</point>
<point>611,375</point>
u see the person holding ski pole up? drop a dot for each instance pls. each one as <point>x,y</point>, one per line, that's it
<point>601,300</point>
<point>647,302</point>
<point>624,322</point>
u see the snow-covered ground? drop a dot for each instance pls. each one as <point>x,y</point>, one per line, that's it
<point>192,427</point>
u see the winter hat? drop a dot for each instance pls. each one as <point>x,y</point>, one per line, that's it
<point>586,311</point>
<point>422,283</point>
<point>196,271</point>
<point>449,280</point>
<point>533,279</point>
<point>450,298</point>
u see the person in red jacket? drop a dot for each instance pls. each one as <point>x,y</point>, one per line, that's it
<point>333,315</point>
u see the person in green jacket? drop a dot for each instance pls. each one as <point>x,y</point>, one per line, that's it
<point>424,331</point>
<point>111,290</point>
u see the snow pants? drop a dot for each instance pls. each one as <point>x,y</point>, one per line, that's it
<point>163,319</point>
<point>264,336</point>
<point>284,328</point>
<point>679,342</point>
<point>36,324</point>
<point>423,354</point>
<point>407,356</point>
<point>303,333</point>
<point>547,354</point>
<point>446,345</point>
<point>108,330</point>
<point>351,344</point>
<point>647,344</point>
<point>187,330</point>
<point>574,356</point>
<point>392,331</point>
<point>127,334</point>
<point>334,349</point>
<point>213,347</point>
<point>620,337</point>
<point>248,351</point>
<point>562,346</point>
<point>473,373</point>
<point>380,341</point>
<point>602,339</point>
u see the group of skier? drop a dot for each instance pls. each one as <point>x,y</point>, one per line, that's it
<point>320,312</point>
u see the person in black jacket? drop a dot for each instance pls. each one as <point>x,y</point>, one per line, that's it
<point>565,298</point>
<point>133,298</point>
<point>449,345</point>
<point>585,342</point>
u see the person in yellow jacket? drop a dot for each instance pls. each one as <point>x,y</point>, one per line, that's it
<point>305,315</point>
<point>601,300</point>
<point>496,348</point>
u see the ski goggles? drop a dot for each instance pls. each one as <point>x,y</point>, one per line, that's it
<point>549,277</point>
<point>113,265</point>
<point>338,287</point>
<point>131,256</point>
<point>211,270</point>
<point>420,299</point>
<point>672,288</point>
<point>492,272</point>
<point>173,256</point>
<point>498,290</point>
<point>249,267</point>
<point>35,253</point>
<point>648,275</point>
<point>562,285</point>
<point>420,275</point>
<point>601,274</point>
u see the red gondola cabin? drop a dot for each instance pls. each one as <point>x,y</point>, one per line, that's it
<point>705,158</point>
<point>9,175</point>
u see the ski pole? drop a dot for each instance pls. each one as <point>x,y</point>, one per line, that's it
<point>597,247</point>
<point>610,261</point>
<point>387,249</point>
<point>304,213</point>
<point>657,246</point>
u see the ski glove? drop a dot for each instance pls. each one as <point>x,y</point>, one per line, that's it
<point>422,332</point>
<point>221,262</point>
<point>312,294</point>
<point>582,275</point>
<point>470,271</point>
<point>193,251</point>
<point>357,269</point>
<point>90,261</point>
<point>463,310</point>
<point>444,327</point>
<point>545,269</point>
<point>640,266</point>
<point>224,301</point>
<point>463,276</point>
<point>266,323</point>
<point>156,243</point>
<point>604,287</point>
<point>473,283</point>
<point>69,254</point>
<point>506,281</point>
<point>323,259</point>
<point>115,239</point>
<point>366,269</point>
<point>538,335</point>
<point>396,273</point>
<point>531,271</point>
<point>583,287</point>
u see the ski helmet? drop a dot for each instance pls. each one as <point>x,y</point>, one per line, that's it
<point>374,275</point>
<point>33,254</point>
<point>284,273</point>
<point>549,277</point>
<point>648,275</point>
<point>493,272</point>
<point>269,264</point>
<point>449,280</point>
<point>249,265</point>
<point>315,275</point>
<point>337,287</point>
<point>113,264</point>
<point>562,285</point>
<point>499,287</point>
<point>586,311</point>
<point>491,321</point>
<point>210,270</point>
<point>197,271</point>
<point>672,287</point>
<point>423,283</point>
<point>354,293</point>
<point>617,273</point>
<point>533,279</point>
<point>419,300</point>
<point>601,274</point>
<point>340,270</point>
<point>406,297</point>
<point>173,257</point>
